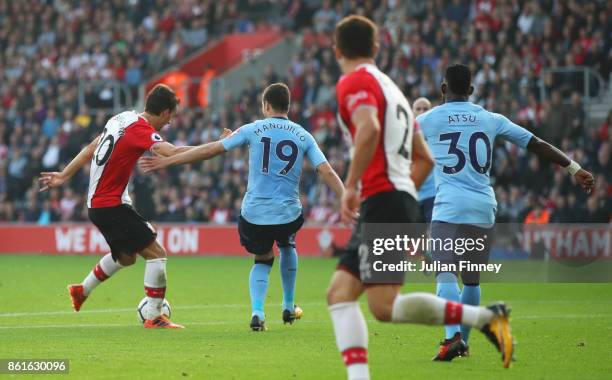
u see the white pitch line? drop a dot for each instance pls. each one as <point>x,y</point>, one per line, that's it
<point>220,323</point>
<point>561,316</point>
<point>220,306</point>
<point>101,325</point>
<point>229,306</point>
<point>122,310</point>
<point>572,302</point>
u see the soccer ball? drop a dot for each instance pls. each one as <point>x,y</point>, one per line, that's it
<point>166,310</point>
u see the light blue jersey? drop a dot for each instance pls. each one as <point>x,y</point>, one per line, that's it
<point>460,136</point>
<point>277,147</point>
<point>428,187</point>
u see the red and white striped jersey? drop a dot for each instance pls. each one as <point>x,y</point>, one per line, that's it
<point>390,166</point>
<point>125,138</point>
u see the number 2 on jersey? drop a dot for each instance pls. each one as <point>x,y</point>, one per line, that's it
<point>402,150</point>
<point>288,158</point>
<point>453,137</point>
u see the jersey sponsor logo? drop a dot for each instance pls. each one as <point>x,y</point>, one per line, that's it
<point>156,137</point>
<point>351,99</point>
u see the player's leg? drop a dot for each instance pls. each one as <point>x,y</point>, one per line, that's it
<point>453,344</point>
<point>387,305</point>
<point>105,219</point>
<point>349,323</point>
<point>259,279</point>
<point>102,271</point>
<point>154,278</point>
<point>350,327</point>
<point>447,287</point>
<point>288,270</point>
<point>137,236</point>
<point>470,295</point>
<point>254,238</point>
<point>285,240</point>
<point>155,286</point>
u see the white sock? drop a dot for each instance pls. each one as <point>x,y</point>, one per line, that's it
<point>352,338</point>
<point>427,309</point>
<point>155,286</point>
<point>105,268</point>
<point>476,316</point>
<point>423,308</point>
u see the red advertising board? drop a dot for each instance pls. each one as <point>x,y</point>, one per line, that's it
<point>178,239</point>
<point>570,241</point>
<point>231,50</point>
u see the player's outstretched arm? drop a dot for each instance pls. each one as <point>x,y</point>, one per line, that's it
<point>194,154</point>
<point>167,154</point>
<point>165,149</point>
<point>550,153</point>
<point>422,161</point>
<point>331,179</point>
<point>55,179</point>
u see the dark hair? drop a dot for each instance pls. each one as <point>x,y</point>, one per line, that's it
<point>161,98</point>
<point>356,37</point>
<point>459,79</point>
<point>279,97</point>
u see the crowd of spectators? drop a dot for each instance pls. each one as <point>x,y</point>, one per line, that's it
<point>506,43</point>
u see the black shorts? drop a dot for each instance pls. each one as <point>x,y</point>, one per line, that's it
<point>395,207</point>
<point>123,228</point>
<point>258,239</point>
<point>476,253</point>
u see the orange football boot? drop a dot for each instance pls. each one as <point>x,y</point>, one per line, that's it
<point>161,322</point>
<point>77,294</point>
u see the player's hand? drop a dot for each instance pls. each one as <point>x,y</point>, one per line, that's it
<point>585,180</point>
<point>51,179</point>
<point>148,164</point>
<point>226,132</point>
<point>349,205</point>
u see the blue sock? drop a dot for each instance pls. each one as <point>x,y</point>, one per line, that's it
<point>447,288</point>
<point>469,296</point>
<point>288,269</point>
<point>258,286</point>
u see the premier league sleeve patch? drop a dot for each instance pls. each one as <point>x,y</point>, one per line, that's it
<point>156,137</point>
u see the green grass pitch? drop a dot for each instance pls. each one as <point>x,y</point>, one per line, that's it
<point>563,331</point>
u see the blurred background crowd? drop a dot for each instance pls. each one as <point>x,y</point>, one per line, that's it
<point>46,47</point>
